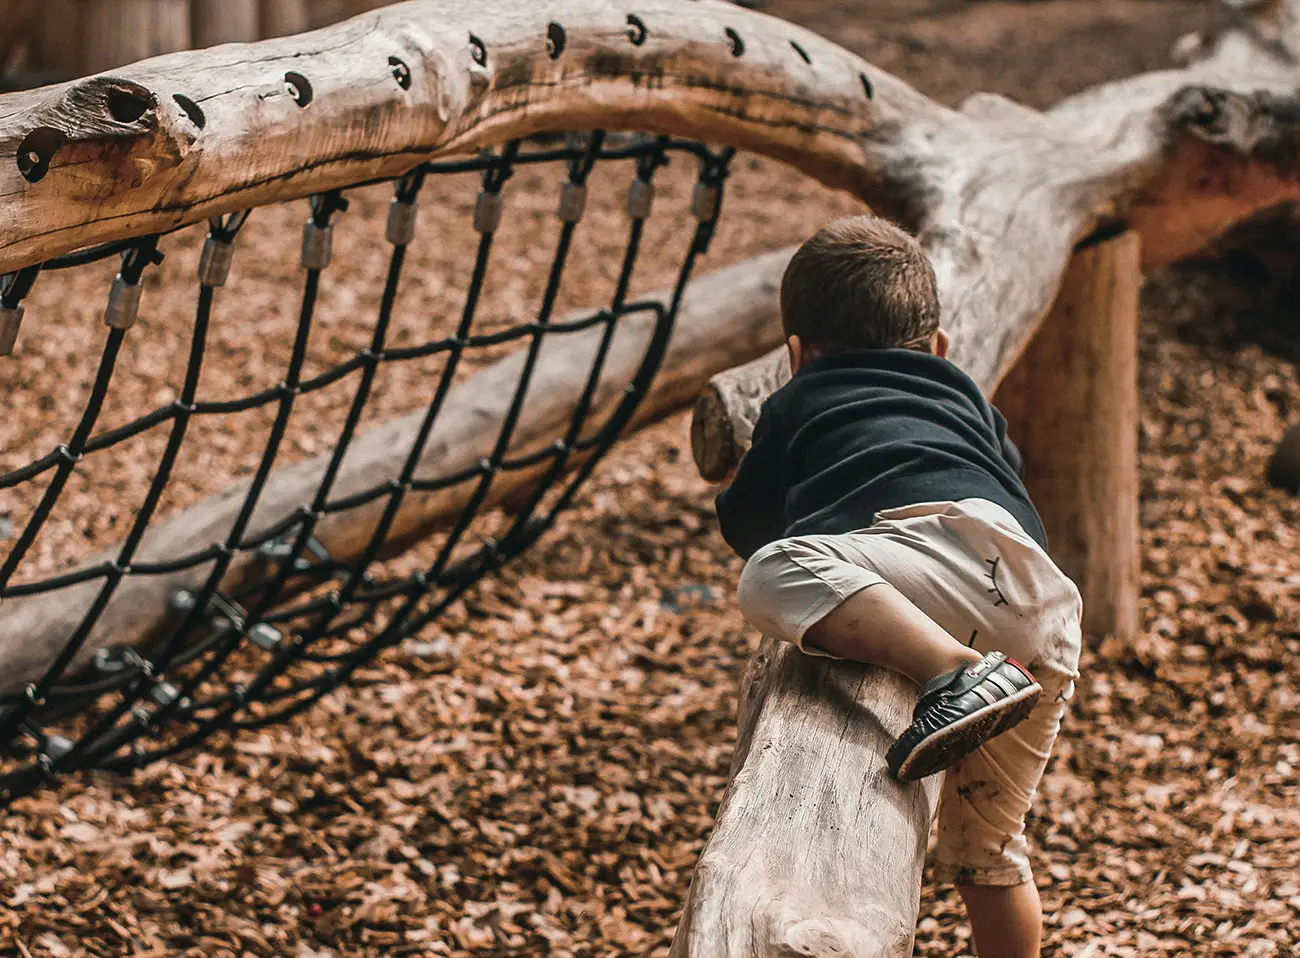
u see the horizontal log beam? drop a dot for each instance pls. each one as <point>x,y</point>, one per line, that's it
<point>1002,196</point>
<point>156,145</point>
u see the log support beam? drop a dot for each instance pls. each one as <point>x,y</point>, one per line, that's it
<point>824,857</point>
<point>1071,403</point>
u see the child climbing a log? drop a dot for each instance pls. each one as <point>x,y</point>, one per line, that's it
<point>883,519</point>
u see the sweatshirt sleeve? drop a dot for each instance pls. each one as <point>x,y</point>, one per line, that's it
<point>751,511</point>
<point>1009,451</point>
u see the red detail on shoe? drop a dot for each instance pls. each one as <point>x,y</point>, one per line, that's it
<point>1028,674</point>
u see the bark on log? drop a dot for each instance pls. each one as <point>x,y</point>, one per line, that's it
<point>224,21</point>
<point>1071,403</point>
<point>725,318</point>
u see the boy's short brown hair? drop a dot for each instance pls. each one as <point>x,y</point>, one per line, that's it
<point>860,283</point>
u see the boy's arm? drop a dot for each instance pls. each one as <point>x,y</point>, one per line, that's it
<point>751,510</point>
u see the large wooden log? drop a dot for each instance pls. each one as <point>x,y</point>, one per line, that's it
<point>999,194</point>
<point>154,146</point>
<point>725,318</point>
<point>1071,403</point>
<point>816,850</point>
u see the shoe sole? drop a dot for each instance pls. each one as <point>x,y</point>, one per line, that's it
<point>951,744</point>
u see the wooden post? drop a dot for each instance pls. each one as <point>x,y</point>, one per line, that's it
<point>1071,402</point>
<point>281,18</point>
<point>118,32</point>
<point>224,21</point>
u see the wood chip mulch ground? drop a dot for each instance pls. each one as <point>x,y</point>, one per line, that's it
<point>538,774</point>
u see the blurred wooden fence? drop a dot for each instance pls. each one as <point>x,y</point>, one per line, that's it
<point>71,38</point>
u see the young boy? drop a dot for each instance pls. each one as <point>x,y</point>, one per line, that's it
<point>884,520</point>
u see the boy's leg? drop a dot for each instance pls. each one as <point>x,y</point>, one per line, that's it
<point>881,626</point>
<point>826,595</point>
<point>1017,601</point>
<point>1007,921</point>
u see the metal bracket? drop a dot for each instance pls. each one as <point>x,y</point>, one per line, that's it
<point>226,615</point>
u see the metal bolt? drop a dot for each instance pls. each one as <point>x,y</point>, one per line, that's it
<point>573,201</point>
<point>114,659</point>
<point>265,636</point>
<point>11,320</point>
<point>705,202</point>
<point>123,304</point>
<point>56,747</point>
<point>317,246</point>
<point>214,265</point>
<point>487,212</point>
<point>164,693</point>
<point>401,222</point>
<point>640,195</point>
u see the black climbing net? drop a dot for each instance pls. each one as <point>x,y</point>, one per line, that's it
<point>298,620</point>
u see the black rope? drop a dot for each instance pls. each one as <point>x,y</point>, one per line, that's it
<point>306,621</point>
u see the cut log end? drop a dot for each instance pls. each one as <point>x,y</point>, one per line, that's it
<point>727,411</point>
<point>713,439</point>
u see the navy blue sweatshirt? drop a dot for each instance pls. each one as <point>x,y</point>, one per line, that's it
<point>858,432</point>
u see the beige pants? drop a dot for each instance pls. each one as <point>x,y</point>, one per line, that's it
<point>969,566</point>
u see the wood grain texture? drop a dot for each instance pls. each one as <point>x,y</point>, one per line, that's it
<point>670,69</point>
<point>816,851</point>
<point>726,413</point>
<point>1072,407</point>
<point>725,318</point>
